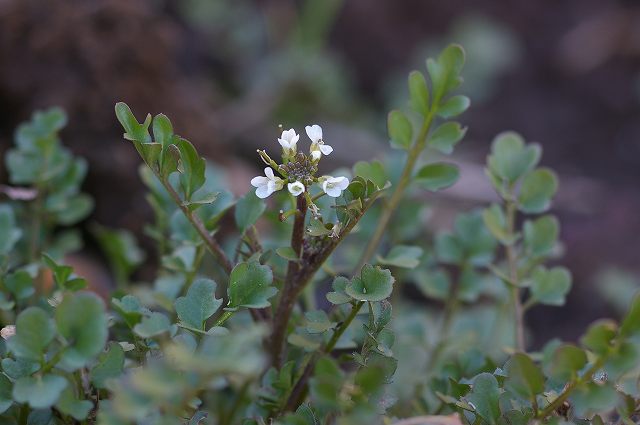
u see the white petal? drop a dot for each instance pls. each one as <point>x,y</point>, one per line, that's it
<point>269,173</point>
<point>343,183</point>
<point>314,132</point>
<point>259,181</point>
<point>263,191</point>
<point>331,190</point>
<point>284,143</point>
<point>296,188</point>
<point>290,136</point>
<point>326,149</point>
<point>316,155</point>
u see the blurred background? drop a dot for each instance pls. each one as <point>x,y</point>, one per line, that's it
<point>563,73</point>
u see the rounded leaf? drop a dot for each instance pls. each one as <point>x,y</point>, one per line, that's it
<point>250,286</point>
<point>510,159</point>
<point>39,391</point>
<point>82,321</point>
<point>34,331</point>
<point>437,176</point>
<point>199,304</point>
<point>538,187</point>
<point>400,130</point>
<point>373,284</point>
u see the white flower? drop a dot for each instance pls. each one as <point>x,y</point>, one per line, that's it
<point>333,186</point>
<point>296,188</point>
<point>288,141</point>
<point>8,331</point>
<point>318,148</point>
<point>265,186</point>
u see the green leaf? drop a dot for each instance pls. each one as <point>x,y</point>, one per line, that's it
<point>445,71</point>
<point>39,391</point>
<point>454,106</point>
<point>248,210</point>
<point>326,384</point>
<point>621,360</point>
<point>199,304</point>
<point>6,399</point>
<point>599,336</point>
<point>446,136</point>
<point>593,397</point>
<point>152,325</point>
<point>437,176</point>
<point>402,256</point>
<point>630,326</point>
<point>419,92</point>
<point>121,248</point>
<point>565,362</point>
<point>70,405</point>
<point>191,167</point>
<point>162,130</point>
<point>318,322</point>
<point>110,365</point>
<point>20,284</point>
<point>510,159</point>
<point>287,253</point>
<point>400,130</point>
<point>19,367</point>
<point>9,232</point>
<point>373,284</point>
<point>34,331</point>
<point>485,396</point>
<point>435,284</point>
<point>250,286</point>
<point>134,131</point>
<point>129,308</point>
<point>63,275</point>
<point>550,286</point>
<point>538,187</point>
<point>200,199</point>
<point>541,235</point>
<point>318,228</point>
<point>339,296</point>
<point>373,171</point>
<point>496,222</point>
<point>82,321</point>
<point>524,378</point>
<point>449,248</point>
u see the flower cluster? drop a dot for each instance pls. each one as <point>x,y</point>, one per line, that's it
<point>297,169</point>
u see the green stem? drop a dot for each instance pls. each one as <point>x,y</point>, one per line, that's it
<point>223,318</point>
<point>228,417</point>
<point>512,261</point>
<point>343,327</point>
<point>299,391</point>
<point>200,228</point>
<point>405,178</point>
<point>557,402</point>
<point>52,362</point>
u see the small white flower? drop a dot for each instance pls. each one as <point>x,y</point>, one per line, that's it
<point>318,148</point>
<point>288,141</point>
<point>333,186</point>
<point>8,331</point>
<point>296,188</point>
<point>265,186</point>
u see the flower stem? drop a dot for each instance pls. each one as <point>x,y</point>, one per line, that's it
<point>390,206</point>
<point>289,292</point>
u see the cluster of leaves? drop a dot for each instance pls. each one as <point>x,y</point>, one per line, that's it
<point>292,323</point>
